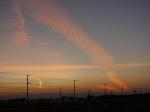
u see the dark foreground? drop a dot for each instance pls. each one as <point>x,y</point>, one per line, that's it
<point>110,103</point>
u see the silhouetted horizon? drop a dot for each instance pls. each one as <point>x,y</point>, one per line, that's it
<point>105,103</point>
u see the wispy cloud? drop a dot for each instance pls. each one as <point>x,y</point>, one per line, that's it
<point>40,68</point>
<point>112,76</point>
<point>40,83</point>
<point>5,69</point>
<point>51,15</point>
<point>43,76</point>
<point>130,65</point>
<point>19,34</point>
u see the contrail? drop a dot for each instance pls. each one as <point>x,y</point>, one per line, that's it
<point>19,33</point>
<point>49,14</point>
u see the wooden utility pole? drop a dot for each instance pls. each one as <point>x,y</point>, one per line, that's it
<point>105,86</point>
<point>89,92</point>
<point>74,93</point>
<point>122,91</point>
<point>60,92</point>
<point>27,87</point>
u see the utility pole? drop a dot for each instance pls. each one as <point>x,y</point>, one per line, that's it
<point>89,92</point>
<point>134,91</point>
<point>74,93</point>
<point>122,91</point>
<point>60,92</point>
<point>27,87</point>
<point>111,92</point>
<point>105,86</point>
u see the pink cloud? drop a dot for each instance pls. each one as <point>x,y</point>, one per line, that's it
<point>49,14</point>
<point>19,34</point>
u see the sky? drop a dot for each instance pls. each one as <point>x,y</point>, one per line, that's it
<point>58,41</point>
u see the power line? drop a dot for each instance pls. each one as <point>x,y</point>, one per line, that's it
<point>12,83</point>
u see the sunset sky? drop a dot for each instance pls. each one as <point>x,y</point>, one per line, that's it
<point>58,41</point>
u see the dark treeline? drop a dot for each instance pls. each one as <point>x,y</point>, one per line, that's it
<point>105,103</point>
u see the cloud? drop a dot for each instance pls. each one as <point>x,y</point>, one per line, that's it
<point>9,69</point>
<point>43,76</point>
<point>40,68</point>
<point>49,14</point>
<point>53,17</point>
<point>112,76</point>
<point>130,65</point>
<point>40,83</point>
<point>19,34</point>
